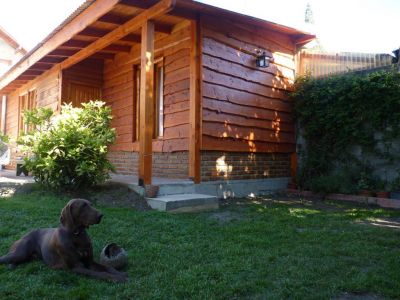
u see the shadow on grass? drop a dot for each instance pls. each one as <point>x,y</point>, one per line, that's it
<point>264,248</point>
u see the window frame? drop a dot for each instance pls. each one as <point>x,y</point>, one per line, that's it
<point>26,101</point>
<point>158,120</point>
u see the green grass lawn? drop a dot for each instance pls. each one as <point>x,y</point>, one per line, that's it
<point>264,250</point>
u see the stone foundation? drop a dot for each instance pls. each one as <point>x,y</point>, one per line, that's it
<point>166,165</point>
<point>125,163</point>
<point>219,165</point>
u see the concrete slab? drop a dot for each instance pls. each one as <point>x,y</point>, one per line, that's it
<point>184,203</point>
<point>9,176</point>
<point>242,188</point>
<point>176,188</point>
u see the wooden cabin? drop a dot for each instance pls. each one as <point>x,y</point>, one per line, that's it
<point>187,97</point>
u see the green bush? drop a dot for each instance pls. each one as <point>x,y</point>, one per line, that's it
<point>347,120</point>
<point>338,182</point>
<point>69,150</point>
<point>3,143</point>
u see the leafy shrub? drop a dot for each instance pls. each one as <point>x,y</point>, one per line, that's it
<point>334,183</point>
<point>343,113</point>
<point>69,150</point>
<point>3,143</point>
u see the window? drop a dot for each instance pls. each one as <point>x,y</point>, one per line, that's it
<point>26,102</point>
<point>158,125</point>
<point>159,101</point>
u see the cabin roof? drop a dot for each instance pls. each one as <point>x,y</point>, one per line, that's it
<point>96,18</point>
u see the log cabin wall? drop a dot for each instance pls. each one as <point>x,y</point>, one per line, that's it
<point>247,125</point>
<point>170,157</point>
<point>47,95</point>
<point>82,82</point>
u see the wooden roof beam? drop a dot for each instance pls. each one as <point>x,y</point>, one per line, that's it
<point>82,44</point>
<point>103,55</point>
<point>93,49</point>
<point>26,77</point>
<point>62,53</point>
<point>32,72</point>
<point>158,9</point>
<point>177,12</point>
<point>81,21</point>
<point>76,44</point>
<point>40,66</point>
<point>53,60</point>
<point>95,32</point>
<point>119,20</point>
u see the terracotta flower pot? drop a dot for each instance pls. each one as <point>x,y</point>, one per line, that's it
<point>151,191</point>
<point>383,194</point>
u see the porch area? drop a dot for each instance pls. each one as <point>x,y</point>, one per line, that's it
<point>140,57</point>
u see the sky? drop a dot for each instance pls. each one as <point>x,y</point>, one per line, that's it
<point>341,25</point>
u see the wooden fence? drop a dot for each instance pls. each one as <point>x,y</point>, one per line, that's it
<point>320,64</point>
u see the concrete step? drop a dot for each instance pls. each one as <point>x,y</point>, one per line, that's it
<point>184,202</point>
<point>176,188</point>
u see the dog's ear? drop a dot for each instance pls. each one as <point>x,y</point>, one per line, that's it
<point>66,217</point>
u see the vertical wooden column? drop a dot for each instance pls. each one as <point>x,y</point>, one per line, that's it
<point>195,101</point>
<point>3,114</point>
<point>146,103</point>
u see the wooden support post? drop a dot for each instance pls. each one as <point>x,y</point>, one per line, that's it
<point>146,103</point>
<point>195,101</point>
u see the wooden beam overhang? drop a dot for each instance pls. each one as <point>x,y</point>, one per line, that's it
<point>78,44</point>
<point>95,32</point>
<point>119,20</point>
<point>94,49</point>
<point>158,9</point>
<point>80,22</point>
<point>177,12</point>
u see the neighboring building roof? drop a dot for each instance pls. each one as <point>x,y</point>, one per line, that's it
<point>11,41</point>
<point>60,36</point>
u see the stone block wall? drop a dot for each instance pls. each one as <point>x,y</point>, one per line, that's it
<point>167,165</point>
<point>219,165</point>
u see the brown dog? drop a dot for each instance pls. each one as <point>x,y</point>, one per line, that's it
<point>67,246</point>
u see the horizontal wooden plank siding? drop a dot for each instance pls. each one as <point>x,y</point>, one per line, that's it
<point>87,73</point>
<point>119,86</point>
<point>245,108</point>
<point>47,91</point>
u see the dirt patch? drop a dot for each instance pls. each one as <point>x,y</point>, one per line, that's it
<point>114,194</point>
<point>109,194</point>
<point>8,189</point>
